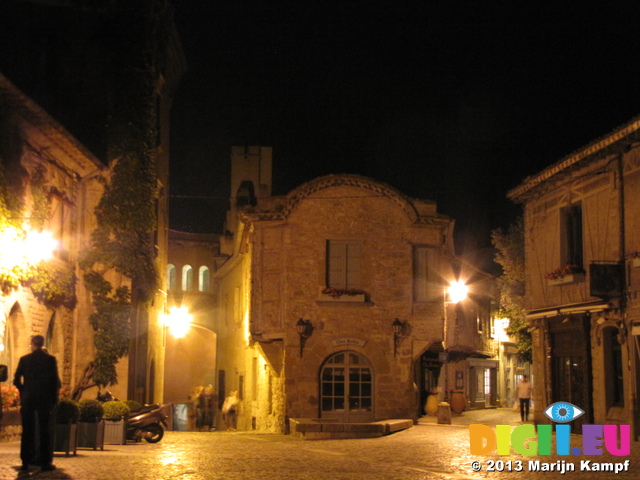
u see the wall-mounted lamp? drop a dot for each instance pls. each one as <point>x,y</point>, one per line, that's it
<point>457,291</point>
<point>305,330</point>
<point>397,326</point>
<point>178,320</point>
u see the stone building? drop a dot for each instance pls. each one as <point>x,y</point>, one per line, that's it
<point>87,67</point>
<point>32,145</point>
<point>582,225</point>
<point>332,301</point>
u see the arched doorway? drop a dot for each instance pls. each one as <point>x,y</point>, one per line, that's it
<point>346,388</point>
<point>15,338</point>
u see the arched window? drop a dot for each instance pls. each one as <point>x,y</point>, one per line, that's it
<point>187,278</point>
<point>204,279</point>
<point>171,277</point>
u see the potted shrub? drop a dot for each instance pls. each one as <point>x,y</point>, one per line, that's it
<point>133,405</point>
<point>115,427</point>
<point>66,429</point>
<point>91,426</point>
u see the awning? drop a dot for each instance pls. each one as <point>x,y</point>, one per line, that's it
<point>592,307</point>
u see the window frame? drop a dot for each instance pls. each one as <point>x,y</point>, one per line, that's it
<point>343,266</point>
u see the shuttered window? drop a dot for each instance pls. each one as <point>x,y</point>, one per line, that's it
<point>344,264</point>
<point>425,282</point>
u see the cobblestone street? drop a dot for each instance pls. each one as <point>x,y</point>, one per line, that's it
<point>426,451</point>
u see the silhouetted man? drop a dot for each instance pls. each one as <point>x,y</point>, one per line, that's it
<point>37,380</point>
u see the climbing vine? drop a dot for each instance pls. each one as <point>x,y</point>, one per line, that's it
<point>126,213</point>
<point>111,324</point>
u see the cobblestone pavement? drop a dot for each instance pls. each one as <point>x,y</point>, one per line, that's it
<point>426,451</point>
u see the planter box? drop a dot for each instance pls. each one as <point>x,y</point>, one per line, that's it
<point>10,425</point>
<point>567,279</point>
<point>359,298</point>
<point>635,262</point>
<point>65,438</point>
<point>91,435</point>
<point>115,432</point>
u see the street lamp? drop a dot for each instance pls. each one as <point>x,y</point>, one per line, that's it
<point>24,247</point>
<point>178,320</point>
<point>457,291</point>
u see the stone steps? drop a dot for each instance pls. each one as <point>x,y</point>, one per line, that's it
<point>319,429</point>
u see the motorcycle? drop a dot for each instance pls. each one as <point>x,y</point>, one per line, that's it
<point>147,423</point>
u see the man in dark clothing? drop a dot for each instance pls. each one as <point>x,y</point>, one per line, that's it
<point>37,380</point>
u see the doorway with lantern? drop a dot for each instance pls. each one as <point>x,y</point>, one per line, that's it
<point>346,388</point>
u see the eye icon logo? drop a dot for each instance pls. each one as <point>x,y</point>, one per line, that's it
<point>563,412</point>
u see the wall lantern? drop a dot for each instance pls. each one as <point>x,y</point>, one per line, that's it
<point>397,326</point>
<point>457,291</point>
<point>25,247</point>
<point>178,320</point>
<point>305,330</point>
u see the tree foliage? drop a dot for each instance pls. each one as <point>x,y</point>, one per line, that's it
<point>111,324</point>
<point>510,256</point>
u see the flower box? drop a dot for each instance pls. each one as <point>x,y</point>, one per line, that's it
<point>91,435</point>
<point>361,297</point>
<point>567,279</point>
<point>65,438</point>
<point>328,294</point>
<point>115,432</point>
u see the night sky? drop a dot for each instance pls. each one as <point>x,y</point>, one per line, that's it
<point>442,100</point>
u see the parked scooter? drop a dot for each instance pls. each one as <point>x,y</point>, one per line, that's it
<point>147,423</point>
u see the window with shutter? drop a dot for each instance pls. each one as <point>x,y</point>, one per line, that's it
<point>344,264</point>
<point>425,282</point>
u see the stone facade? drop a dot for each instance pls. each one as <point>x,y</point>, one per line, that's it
<point>340,258</point>
<point>71,178</point>
<point>583,211</point>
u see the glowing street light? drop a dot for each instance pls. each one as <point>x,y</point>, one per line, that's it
<point>19,248</point>
<point>457,291</point>
<point>178,320</point>
<point>39,246</point>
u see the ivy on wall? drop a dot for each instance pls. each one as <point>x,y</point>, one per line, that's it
<point>111,324</point>
<point>126,212</point>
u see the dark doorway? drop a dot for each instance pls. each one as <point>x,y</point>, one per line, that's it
<point>571,364</point>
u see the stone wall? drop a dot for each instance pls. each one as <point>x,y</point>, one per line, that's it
<point>290,272</point>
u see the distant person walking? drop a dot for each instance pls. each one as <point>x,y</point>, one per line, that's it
<point>524,391</point>
<point>230,409</point>
<point>37,380</point>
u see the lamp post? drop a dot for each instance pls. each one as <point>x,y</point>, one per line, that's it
<point>455,293</point>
